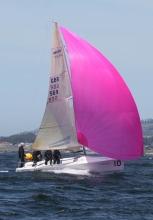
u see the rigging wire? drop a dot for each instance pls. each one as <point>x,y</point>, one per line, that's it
<point>40,67</point>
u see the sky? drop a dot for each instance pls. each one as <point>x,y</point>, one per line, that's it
<point>121,30</point>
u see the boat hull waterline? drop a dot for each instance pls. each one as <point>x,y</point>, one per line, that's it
<point>89,163</point>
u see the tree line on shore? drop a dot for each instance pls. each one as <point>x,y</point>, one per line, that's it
<point>29,137</point>
<point>147,121</point>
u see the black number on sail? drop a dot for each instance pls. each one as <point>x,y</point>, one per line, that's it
<point>117,163</point>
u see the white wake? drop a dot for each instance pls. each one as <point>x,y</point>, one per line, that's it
<point>3,171</point>
<point>72,171</point>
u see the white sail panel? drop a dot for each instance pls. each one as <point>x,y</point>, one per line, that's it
<point>57,129</point>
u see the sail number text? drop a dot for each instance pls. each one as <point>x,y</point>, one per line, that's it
<point>117,163</point>
<point>54,80</point>
<point>54,92</point>
<point>54,89</point>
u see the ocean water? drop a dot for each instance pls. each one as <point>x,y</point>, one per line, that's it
<point>74,194</point>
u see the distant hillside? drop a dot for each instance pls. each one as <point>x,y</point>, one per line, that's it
<point>26,137</point>
<point>147,127</point>
<point>29,137</point>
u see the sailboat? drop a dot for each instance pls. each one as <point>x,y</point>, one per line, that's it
<point>88,106</point>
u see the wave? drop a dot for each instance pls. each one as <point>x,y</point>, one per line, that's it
<point>4,171</point>
<point>71,171</point>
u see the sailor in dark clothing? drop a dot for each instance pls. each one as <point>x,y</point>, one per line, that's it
<point>48,156</point>
<point>56,156</point>
<point>37,156</point>
<point>21,154</point>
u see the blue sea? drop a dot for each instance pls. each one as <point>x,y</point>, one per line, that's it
<point>74,194</point>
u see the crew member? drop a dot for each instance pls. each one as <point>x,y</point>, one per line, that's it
<point>21,154</point>
<point>56,156</point>
<point>37,156</point>
<point>48,156</point>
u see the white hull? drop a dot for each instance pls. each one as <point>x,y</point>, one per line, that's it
<point>90,163</point>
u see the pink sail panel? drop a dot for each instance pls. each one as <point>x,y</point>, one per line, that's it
<point>107,119</point>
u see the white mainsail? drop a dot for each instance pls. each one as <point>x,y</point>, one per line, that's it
<point>57,129</point>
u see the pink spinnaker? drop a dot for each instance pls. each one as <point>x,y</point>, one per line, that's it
<point>106,116</point>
